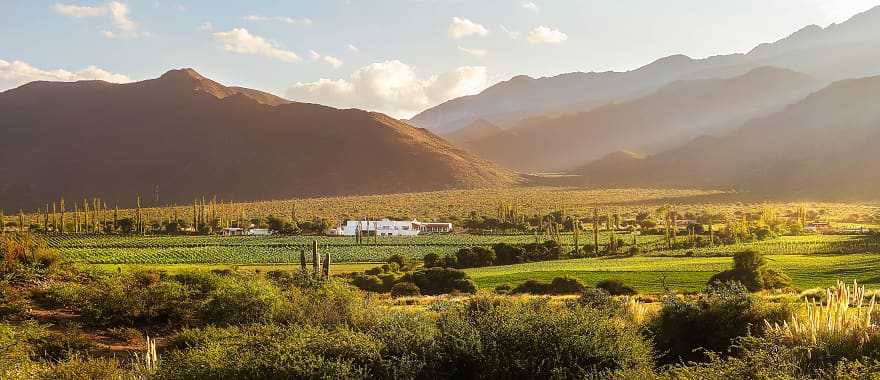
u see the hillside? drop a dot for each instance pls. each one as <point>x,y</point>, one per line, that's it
<point>478,130</point>
<point>654,123</point>
<point>839,51</point>
<point>183,136</point>
<point>822,146</point>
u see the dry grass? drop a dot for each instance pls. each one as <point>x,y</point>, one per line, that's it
<point>843,316</point>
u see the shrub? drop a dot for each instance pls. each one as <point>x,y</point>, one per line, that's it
<point>433,281</point>
<point>368,283</point>
<point>88,368</point>
<point>474,257</point>
<point>712,321</point>
<point>432,260</point>
<point>559,285</point>
<point>506,254</point>
<point>500,338</point>
<point>596,298</point>
<point>13,303</point>
<point>270,351</point>
<point>405,289</point>
<point>238,301</point>
<point>750,269</point>
<point>616,287</point>
<point>503,289</point>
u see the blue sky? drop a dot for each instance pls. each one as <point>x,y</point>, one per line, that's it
<point>395,56</point>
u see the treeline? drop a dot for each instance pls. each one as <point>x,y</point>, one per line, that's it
<point>202,217</point>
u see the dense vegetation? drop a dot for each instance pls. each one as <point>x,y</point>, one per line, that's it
<point>293,324</point>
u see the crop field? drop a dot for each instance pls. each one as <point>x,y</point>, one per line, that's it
<point>653,274</point>
<point>112,249</point>
<point>107,249</point>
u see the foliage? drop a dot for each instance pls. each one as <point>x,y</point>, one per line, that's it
<point>616,287</point>
<point>685,327</point>
<point>559,285</point>
<point>433,281</point>
<point>750,269</point>
<point>405,289</point>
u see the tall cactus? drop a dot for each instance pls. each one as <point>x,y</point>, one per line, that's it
<point>327,264</point>
<point>596,231</point>
<point>61,206</point>
<point>316,261</point>
<point>302,259</point>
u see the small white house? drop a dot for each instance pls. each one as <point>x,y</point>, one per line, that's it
<point>235,231</point>
<point>386,227</point>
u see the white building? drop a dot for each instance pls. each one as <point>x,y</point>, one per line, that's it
<point>387,227</point>
<point>233,231</point>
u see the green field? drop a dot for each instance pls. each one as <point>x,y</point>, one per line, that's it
<point>647,274</point>
<point>112,249</point>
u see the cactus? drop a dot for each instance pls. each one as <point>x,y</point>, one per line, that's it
<point>302,260</point>
<point>316,261</point>
<point>596,231</point>
<point>327,264</point>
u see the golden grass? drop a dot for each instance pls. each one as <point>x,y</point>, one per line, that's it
<point>844,315</point>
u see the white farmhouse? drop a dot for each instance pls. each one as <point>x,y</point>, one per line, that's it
<point>386,227</point>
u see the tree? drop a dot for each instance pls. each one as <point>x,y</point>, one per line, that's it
<point>750,269</point>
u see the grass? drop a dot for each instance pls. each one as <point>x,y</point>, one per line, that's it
<point>648,274</point>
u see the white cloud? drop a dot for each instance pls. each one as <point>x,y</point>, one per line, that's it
<point>510,33</point>
<point>473,52</point>
<point>288,20</point>
<point>352,48</point>
<point>545,35</point>
<point>462,27</point>
<point>16,73</point>
<point>392,87</point>
<point>332,61</point>
<point>207,26</point>
<point>117,12</point>
<point>240,41</point>
<point>529,5</point>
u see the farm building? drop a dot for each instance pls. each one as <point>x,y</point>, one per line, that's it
<point>818,226</point>
<point>386,227</point>
<point>233,231</point>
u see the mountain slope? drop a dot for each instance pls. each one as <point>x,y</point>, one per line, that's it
<point>478,130</point>
<point>188,136</point>
<point>668,117</point>
<point>847,50</point>
<point>822,146</point>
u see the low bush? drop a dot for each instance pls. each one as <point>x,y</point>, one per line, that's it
<point>750,269</point>
<point>433,281</point>
<point>686,327</point>
<point>559,285</point>
<point>616,287</point>
<point>405,289</point>
<point>14,305</point>
<point>242,301</point>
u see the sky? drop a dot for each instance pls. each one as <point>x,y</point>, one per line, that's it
<point>394,56</point>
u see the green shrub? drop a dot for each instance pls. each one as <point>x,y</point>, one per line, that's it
<point>88,368</point>
<point>433,281</point>
<point>501,338</point>
<point>616,287</point>
<point>432,260</point>
<point>559,285</point>
<point>242,301</point>
<point>14,305</point>
<point>405,289</point>
<point>750,269</point>
<point>710,322</point>
<point>271,351</point>
<point>368,283</point>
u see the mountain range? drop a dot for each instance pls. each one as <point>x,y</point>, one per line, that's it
<point>183,135</point>
<point>840,51</point>
<point>821,147</point>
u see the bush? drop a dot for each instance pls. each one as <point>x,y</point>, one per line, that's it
<point>271,351</point>
<point>712,321</point>
<point>405,289</point>
<point>241,301</point>
<point>559,285</point>
<point>433,281</point>
<point>432,260</point>
<point>616,287</point>
<point>500,338</point>
<point>506,254</point>
<point>503,289</point>
<point>750,269</point>
<point>474,257</point>
<point>13,303</point>
<point>368,283</point>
